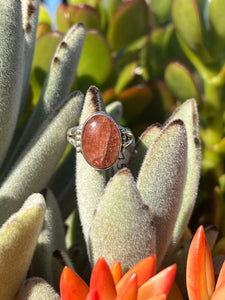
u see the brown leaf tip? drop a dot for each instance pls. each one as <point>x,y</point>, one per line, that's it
<point>155,125</point>
<point>177,122</point>
<point>58,255</point>
<point>28,28</point>
<point>30,10</point>
<point>80,24</point>
<point>63,45</point>
<point>56,60</point>
<point>197,142</point>
<point>94,92</point>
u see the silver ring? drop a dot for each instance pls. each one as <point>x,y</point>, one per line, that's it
<point>100,140</point>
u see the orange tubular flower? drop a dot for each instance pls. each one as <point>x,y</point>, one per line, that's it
<point>200,272</point>
<point>139,283</point>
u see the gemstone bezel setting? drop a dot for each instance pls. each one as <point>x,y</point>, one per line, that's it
<point>111,154</point>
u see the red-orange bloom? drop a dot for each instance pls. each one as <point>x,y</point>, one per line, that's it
<point>200,272</point>
<point>139,283</point>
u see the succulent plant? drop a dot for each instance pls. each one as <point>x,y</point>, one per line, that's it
<point>142,205</point>
<point>158,61</point>
<point>31,226</point>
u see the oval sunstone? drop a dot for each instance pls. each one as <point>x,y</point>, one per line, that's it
<point>101,142</point>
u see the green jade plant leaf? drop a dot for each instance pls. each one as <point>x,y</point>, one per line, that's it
<point>134,215</point>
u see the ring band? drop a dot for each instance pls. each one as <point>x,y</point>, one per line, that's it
<point>100,140</point>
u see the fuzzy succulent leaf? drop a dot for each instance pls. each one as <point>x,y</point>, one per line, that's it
<point>11,70</point>
<point>58,81</point>
<point>145,141</point>
<point>115,110</point>
<point>18,238</point>
<point>35,289</point>
<point>188,113</point>
<point>50,239</point>
<point>36,165</point>
<point>30,11</point>
<point>122,228</point>
<point>90,183</point>
<point>62,184</point>
<point>161,181</point>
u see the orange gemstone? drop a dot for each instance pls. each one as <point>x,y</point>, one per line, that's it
<point>101,142</point>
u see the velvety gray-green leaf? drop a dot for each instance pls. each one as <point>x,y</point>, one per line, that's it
<point>67,198</point>
<point>161,181</point>
<point>115,110</point>
<point>122,229</point>
<point>35,166</point>
<point>59,80</point>
<point>36,289</point>
<point>64,172</point>
<point>50,239</point>
<point>89,182</point>
<point>30,12</point>
<point>62,184</point>
<point>18,238</point>
<point>143,144</point>
<point>188,113</point>
<point>11,70</point>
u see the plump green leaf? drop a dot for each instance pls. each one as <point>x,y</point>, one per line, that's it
<point>78,2</point>
<point>186,18</point>
<point>50,239</point>
<point>18,238</point>
<point>36,164</point>
<point>161,181</point>
<point>181,82</point>
<point>11,70</point>
<point>216,18</point>
<point>95,62</point>
<point>35,289</point>
<point>67,15</point>
<point>189,114</point>
<point>161,9</point>
<point>127,25</point>
<point>90,182</point>
<point>122,228</point>
<point>44,16</point>
<point>125,76</point>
